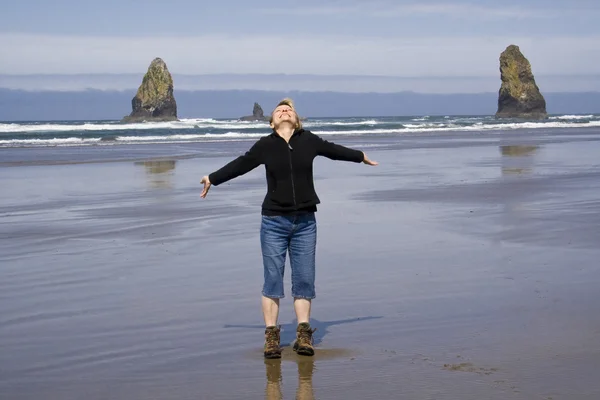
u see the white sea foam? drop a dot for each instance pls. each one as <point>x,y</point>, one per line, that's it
<point>31,128</point>
<point>239,134</point>
<point>181,124</point>
<point>471,118</point>
<point>203,123</point>
<point>49,142</point>
<point>229,135</point>
<point>234,125</point>
<point>369,122</point>
<point>225,124</point>
<point>533,125</point>
<point>423,126</point>
<point>571,117</point>
<point>475,127</point>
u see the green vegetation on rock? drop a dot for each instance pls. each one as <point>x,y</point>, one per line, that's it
<point>519,95</point>
<point>154,100</point>
<point>513,66</point>
<point>156,83</point>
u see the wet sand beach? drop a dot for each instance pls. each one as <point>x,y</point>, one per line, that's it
<point>464,266</point>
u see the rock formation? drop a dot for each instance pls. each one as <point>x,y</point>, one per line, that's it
<point>519,96</point>
<point>257,114</point>
<point>154,99</point>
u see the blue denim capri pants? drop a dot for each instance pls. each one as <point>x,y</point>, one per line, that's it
<point>294,234</point>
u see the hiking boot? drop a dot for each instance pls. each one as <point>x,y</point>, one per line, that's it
<point>304,340</point>
<point>272,349</point>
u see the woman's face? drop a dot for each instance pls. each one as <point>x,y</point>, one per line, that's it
<point>284,114</point>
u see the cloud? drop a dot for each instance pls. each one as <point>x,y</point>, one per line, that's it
<point>305,83</point>
<point>382,9</point>
<point>322,54</point>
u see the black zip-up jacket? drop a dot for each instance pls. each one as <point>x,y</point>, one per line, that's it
<point>289,169</point>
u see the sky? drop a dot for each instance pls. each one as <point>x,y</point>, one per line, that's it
<point>409,39</point>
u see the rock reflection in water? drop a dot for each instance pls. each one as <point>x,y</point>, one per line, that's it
<point>159,173</point>
<point>304,390</point>
<point>517,159</point>
<point>517,165</point>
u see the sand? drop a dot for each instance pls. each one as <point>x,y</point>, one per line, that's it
<point>462,267</point>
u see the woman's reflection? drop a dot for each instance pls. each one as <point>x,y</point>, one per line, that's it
<point>304,390</point>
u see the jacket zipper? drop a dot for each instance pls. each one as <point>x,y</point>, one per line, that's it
<point>292,174</point>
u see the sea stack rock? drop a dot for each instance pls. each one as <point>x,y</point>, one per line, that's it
<point>257,114</point>
<point>519,96</point>
<point>154,100</point>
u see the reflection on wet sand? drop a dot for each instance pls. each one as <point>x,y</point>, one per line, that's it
<point>304,389</point>
<point>159,173</point>
<point>305,364</point>
<point>516,159</point>
<point>517,163</point>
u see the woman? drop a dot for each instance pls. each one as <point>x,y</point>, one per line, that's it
<point>288,216</point>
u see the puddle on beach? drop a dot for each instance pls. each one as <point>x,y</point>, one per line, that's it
<point>304,388</point>
<point>320,354</point>
<point>305,368</point>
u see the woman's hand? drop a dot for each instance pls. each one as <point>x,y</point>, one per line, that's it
<point>369,162</point>
<point>207,185</point>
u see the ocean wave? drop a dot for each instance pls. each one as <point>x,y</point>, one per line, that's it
<point>189,137</point>
<point>179,138</point>
<point>475,127</point>
<point>431,125</point>
<point>115,126</point>
<point>536,125</point>
<point>351,123</point>
<point>34,128</point>
<point>234,125</point>
<point>49,142</point>
<point>572,117</point>
<point>239,134</point>
<point>225,124</point>
<point>483,118</point>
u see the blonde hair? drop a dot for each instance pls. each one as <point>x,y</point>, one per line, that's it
<point>290,103</point>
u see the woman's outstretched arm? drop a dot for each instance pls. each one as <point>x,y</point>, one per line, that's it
<point>338,152</point>
<point>239,166</point>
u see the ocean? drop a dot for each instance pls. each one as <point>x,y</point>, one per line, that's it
<point>110,133</point>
